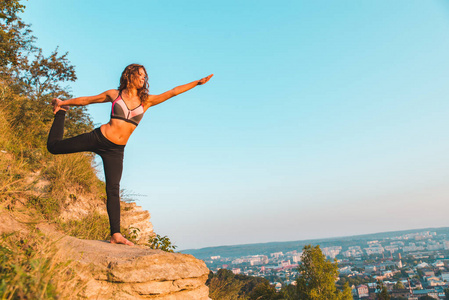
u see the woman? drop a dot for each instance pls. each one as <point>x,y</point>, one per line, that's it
<point>109,140</point>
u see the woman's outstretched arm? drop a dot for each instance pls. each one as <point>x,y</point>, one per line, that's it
<point>81,101</point>
<point>157,99</point>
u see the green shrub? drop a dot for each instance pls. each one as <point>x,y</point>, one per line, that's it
<point>161,242</point>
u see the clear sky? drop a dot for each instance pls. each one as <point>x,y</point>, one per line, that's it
<point>324,118</point>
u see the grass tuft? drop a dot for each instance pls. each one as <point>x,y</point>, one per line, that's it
<point>93,227</point>
<point>29,270</point>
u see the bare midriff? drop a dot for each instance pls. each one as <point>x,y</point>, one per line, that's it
<point>117,131</point>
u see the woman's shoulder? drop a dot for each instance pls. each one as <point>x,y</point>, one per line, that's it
<point>112,94</point>
<point>149,101</point>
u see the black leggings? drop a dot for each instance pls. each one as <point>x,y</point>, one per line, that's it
<point>111,154</point>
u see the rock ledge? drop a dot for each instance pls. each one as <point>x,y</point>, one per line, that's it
<point>121,272</point>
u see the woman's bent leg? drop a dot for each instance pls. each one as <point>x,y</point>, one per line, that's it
<point>80,143</point>
<point>113,167</point>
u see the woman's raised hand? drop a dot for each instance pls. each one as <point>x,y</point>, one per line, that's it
<point>57,105</point>
<point>205,79</point>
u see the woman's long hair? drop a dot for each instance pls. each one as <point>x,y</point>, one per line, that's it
<point>129,75</point>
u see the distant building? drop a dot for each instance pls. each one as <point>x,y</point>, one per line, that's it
<point>402,293</point>
<point>391,248</point>
<point>276,254</point>
<point>420,293</point>
<point>438,263</point>
<point>412,247</point>
<point>422,265</point>
<point>397,243</point>
<point>362,291</point>
<point>370,269</point>
<point>445,277</point>
<point>353,251</point>
<point>435,281</point>
<point>215,257</point>
<point>446,245</point>
<point>385,275</point>
<point>236,271</point>
<point>331,252</point>
<point>435,246</point>
<point>296,258</point>
<point>238,261</point>
<point>345,270</point>
<point>374,249</point>
<point>258,260</point>
<point>284,263</point>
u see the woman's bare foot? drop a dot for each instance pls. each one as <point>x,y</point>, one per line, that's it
<point>118,238</point>
<point>57,105</point>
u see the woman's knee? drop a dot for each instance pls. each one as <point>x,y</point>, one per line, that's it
<point>51,148</point>
<point>113,190</point>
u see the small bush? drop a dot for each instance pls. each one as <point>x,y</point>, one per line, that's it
<point>161,242</point>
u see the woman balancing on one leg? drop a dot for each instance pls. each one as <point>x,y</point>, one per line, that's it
<point>129,103</point>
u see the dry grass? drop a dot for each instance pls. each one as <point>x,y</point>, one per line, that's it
<point>13,169</point>
<point>30,268</point>
<point>92,227</point>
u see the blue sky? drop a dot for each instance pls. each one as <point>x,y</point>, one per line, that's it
<point>324,118</point>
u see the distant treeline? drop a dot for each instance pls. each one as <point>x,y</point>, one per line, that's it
<point>267,248</point>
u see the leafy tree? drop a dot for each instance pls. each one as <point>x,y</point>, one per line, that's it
<point>289,292</point>
<point>223,285</point>
<point>250,283</point>
<point>398,286</point>
<point>264,291</point>
<point>382,291</point>
<point>317,275</point>
<point>347,292</point>
<point>15,35</point>
<point>32,80</point>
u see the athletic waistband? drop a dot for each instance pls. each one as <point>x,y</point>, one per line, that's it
<point>106,141</point>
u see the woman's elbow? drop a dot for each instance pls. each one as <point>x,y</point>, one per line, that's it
<point>174,92</point>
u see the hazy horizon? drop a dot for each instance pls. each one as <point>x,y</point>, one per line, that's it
<point>319,239</point>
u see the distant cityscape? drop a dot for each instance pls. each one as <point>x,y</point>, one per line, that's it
<point>410,265</point>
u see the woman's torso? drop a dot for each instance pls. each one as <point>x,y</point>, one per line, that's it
<point>126,113</point>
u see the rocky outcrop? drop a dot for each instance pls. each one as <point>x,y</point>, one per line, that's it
<point>122,272</point>
<point>79,204</point>
<point>106,271</point>
<point>102,270</point>
<point>133,216</point>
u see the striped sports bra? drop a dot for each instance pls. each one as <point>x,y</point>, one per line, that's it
<point>121,111</point>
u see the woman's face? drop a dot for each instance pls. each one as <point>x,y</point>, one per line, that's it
<point>139,79</point>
